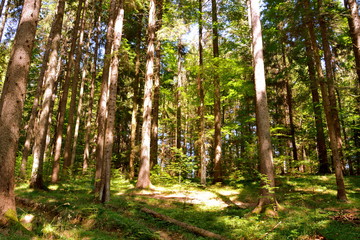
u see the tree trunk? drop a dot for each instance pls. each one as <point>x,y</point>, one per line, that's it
<point>179,85</point>
<point>74,90</point>
<point>262,114</point>
<point>50,76</point>
<point>92,86</point>
<point>144,173</point>
<point>12,102</point>
<point>104,194</point>
<point>354,26</point>
<point>201,109</point>
<point>330,109</point>
<point>217,98</point>
<point>63,100</point>
<point>135,105</point>
<point>156,98</point>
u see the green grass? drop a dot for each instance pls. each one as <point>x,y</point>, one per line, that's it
<point>311,209</point>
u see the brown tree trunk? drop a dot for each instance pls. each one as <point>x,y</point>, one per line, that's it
<point>68,146</point>
<point>102,108</point>
<point>354,26</point>
<point>135,105</point>
<point>63,100</point>
<point>144,173</point>
<point>329,107</point>
<point>179,85</point>
<point>262,114</point>
<point>217,98</point>
<point>50,76</point>
<point>156,97</point>
<point>104,194</point>
<point>201,137</point>
<point>12,102</point>
<point>97,20</point>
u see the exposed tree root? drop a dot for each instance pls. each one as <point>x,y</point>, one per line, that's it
<point>189,227</point>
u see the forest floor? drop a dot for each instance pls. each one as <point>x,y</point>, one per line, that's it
<point>68,211</point>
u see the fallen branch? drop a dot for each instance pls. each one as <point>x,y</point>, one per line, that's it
<point>270,230</point>
<point>189,227</point>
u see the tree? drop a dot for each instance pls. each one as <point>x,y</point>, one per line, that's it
<point>12,102</point>
<point>267,196</point>
<point>144,173</point>
<point>41,128</point>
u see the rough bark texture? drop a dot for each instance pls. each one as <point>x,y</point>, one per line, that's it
<point>102,108</point>
<point>329,108</point>
<point>12,102</point>
<point>201,137</point>
<point>64,97</point>
<point>144,173</point>
<point>104,194</point>
<point>156,98</point>
<point>49,80</point>
<point>70,129</point>
<point>217,98</point>
<point>262,113</point>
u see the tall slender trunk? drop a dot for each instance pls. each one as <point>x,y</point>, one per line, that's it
<point>102,108</point>
<point>329,107</point>
<point>68,146</point>
<point>50,75</point>
<point>135,105</point>
<point>97,20</point>
<point>144,173</point>
<point>104,194</point>
<point>217,97</point>
<point>201,109</point>
<point>64,97</point>
<point>354,27</point>
<point>262,113</point>
<point>179,85</point>
<point>12,102</point>
<point>156,97</point>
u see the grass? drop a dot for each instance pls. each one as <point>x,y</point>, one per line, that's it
<point>311,211</point>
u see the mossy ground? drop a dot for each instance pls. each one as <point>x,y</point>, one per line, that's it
<point>311,211</point>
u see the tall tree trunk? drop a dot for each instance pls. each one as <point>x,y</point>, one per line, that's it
<point>354,27</point>
<point>329,108</point>
<point>102,108</point>
<point>63,100</point>
<point>217,97</point>
<point>201,109</point>
<point>74,92</point>
<point>12,102</point>
<point>135,105</point>
<point>333,114</point>
<point>144,173</point>
<point>97,19</point>
<point>50,75</point>
<point>179,84</point>
<point>320,136</point>
<point>104,194</point>
<point>156,97</point>
<point>262,114</point>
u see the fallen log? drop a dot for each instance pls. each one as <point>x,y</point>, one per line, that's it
<point>189,227</point>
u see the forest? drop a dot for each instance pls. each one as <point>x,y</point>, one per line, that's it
<point>179,119</point>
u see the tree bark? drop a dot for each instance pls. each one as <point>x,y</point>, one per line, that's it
<point>354,27</point>
<point>4,19</point>
<point>262,114</point>
<point>201,109</point>
<point>68,146</point>
<point>50,76</point>
<point>156,98</point>
<point>217,98</point>
<point>63,100</point>
<point>12,102</point>
<point>144,173</point>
